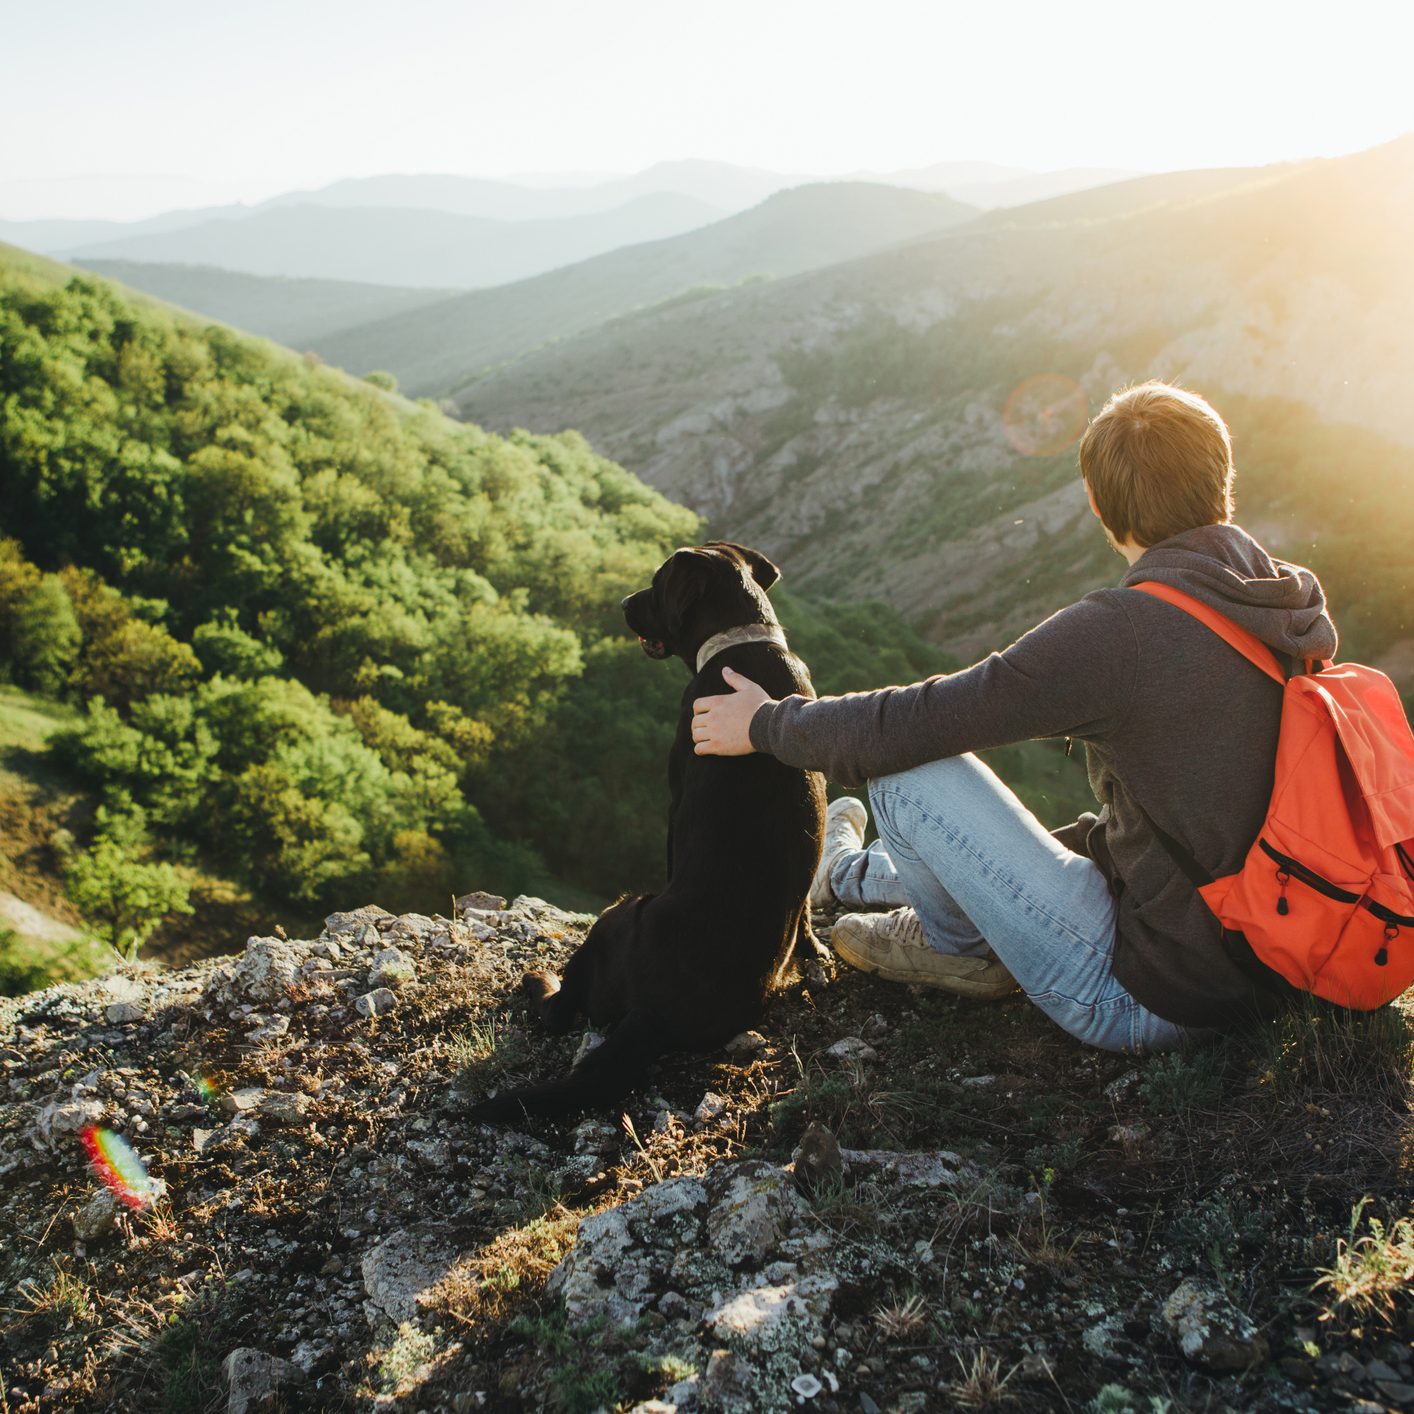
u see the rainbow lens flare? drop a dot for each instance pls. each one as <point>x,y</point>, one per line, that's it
<point>116,1163</point>
<point>207,1088</point>
<point>1045,415</point>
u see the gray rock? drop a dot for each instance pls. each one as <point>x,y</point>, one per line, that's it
<point>97,1217</point>
<point>284,1106</point>
<point>378,1002</point>
<point>392,968</point>
<point>939,1169</point>
<point>124,1013</point>
<point>587,1043</point>
<point>62,1119</point>
<point>357,918</point>
<point>754,1214</point>
<point>851,1048</point>
<point>243,1101</point>
<point>711,1107</point>
<point>478,902</point>
<point>272,1030</point>
<point>400,1271</point>
<point>254,1380</point>
<point>266,974</point>
<point>754,1316</point>
<point>1210,1330</point>
<point>745,1045</point>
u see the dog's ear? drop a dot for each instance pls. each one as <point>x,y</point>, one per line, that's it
<point>684,583</point>
<point>762,570</point>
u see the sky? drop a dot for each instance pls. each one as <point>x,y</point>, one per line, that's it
<point>215,102</point>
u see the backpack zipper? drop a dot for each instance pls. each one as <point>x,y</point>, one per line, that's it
<point>1289,868</point>
<point>1405,860</point>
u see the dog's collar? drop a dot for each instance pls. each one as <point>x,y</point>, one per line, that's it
<point>742,633</point>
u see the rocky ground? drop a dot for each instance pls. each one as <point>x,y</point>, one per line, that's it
<point>887,1199</point>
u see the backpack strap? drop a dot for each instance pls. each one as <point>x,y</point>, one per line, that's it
<point>1248,644</point>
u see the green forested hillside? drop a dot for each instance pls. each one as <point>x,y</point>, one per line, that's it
<point>327,642</point>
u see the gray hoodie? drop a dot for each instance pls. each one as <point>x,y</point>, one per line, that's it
<point>1170,716</point>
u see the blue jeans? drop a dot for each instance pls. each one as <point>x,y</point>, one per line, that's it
<point>979,869</point>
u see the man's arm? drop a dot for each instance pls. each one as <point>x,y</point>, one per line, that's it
<point>1072,675</point>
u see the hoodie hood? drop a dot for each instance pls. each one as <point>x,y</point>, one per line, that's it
<point>1283,604</point>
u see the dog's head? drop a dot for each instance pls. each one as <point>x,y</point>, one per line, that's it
<point>698,591</point>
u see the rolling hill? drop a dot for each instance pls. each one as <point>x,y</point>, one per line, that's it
<point>293,312</point>
<point>435,346</point>
<point>853,421</point>
<point>396,246</point>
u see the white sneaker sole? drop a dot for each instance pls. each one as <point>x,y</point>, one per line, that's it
<point>979,988</point>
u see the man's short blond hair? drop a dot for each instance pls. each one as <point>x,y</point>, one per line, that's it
<point>1158,460</point>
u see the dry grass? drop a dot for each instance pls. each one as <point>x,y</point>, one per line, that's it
<point>981,1384</point>
<point>903,1318</point>
<point>481,1290</point>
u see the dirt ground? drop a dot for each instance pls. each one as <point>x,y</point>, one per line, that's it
<point>306,1139</point>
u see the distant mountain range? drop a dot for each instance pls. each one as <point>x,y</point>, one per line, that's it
<point>857,421</point>
<point>398,246</point>
<point>397,229</point>
<point>434,347</point>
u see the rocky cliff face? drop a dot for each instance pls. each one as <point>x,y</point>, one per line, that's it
<point>246,1185</point>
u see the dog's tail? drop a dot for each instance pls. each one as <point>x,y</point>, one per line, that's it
<point>603,1077</point>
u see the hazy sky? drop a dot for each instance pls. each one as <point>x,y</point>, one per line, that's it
<point>256,96</point>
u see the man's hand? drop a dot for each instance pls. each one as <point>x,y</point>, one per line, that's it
<point>721,726</point>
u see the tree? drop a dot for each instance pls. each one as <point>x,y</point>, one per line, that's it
<point>123,898</point>
<point>46,636</point>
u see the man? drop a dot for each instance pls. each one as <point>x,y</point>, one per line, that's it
<point>1097,924</point>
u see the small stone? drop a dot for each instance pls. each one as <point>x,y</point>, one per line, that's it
<point>806,1386</point>
<point>1397,1392</point>
<point>392,968</point>
<point>200,1138</point>
<point>123,1013</point>
<point>243,1101</point>
<point>272,1030</point>
<point>745,1045</point>
<point>978,1082</point>
<point>479,902</point>
<point>378,1002</point>
<point>587,1043</point>
<point>1210,1330</point>
<point>58,1121</point>
<point>284,1107</point>
<point>1119,1089</point>
<point>852,1049</point>
<point>255,1379</point>
<point>711,1107</point>
<point>867,1405</point>
<point>357,918</point>
<point>97,1217</point>
<point>1378,1370</point>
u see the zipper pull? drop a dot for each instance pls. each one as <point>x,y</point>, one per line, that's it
<point>1391,933</point>
<point>1283,906</point>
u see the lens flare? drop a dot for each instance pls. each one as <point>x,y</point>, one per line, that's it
<point>115,1162</point>
<point>1045,415</point>
<point>207,1089</point>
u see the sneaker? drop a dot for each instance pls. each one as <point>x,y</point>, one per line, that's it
<point>844,831</point>
<point>893,946</point>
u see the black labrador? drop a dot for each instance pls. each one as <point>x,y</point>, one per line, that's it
<point>692,966</point>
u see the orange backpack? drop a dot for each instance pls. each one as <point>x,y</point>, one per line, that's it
<point>1325,896</point>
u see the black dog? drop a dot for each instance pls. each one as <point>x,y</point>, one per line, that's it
<point>692,966</point>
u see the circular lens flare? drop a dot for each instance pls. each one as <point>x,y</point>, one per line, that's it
<point>117,1164</point>
<point>1045,415</point>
